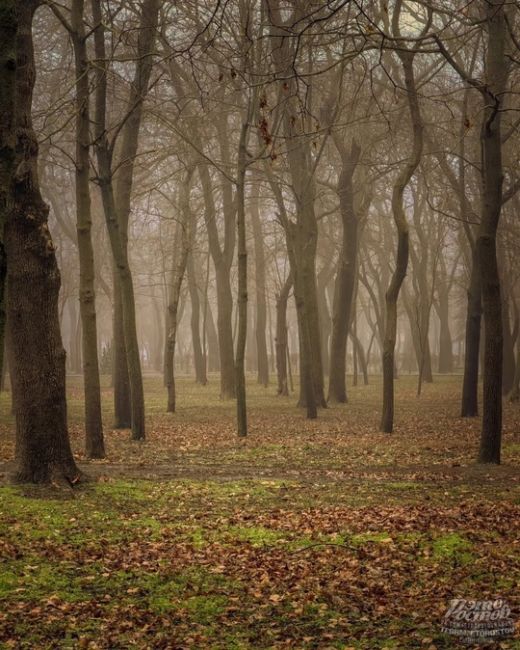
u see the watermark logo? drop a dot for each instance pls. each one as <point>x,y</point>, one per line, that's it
<point>474,621</point>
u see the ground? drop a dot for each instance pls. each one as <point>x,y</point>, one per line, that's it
<point>307,534</point>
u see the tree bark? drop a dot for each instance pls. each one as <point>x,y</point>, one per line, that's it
<point>94,444</point>
<point>469,405</point>
<point>445,365</point>
<point>301,234</point>
<point>281,337</point>
<point>322,282</point>
<point>261,299</point>
<point>120,377</point>
<point>346,276</point>
<point>222,259</point>
<point>8,34</point>
<point>198,355</point>
<point>362,358</point>
<point>515,391</point>
<point>180,258</point>
<point>497,69</point>
<point>36,354</point>
<point>240,378</point>
<point>508,352</point>
<point>116,201</point>
<point>212,348</point>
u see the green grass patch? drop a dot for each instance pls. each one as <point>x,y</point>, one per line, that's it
<point>452,547</point>
<point>255,535</point>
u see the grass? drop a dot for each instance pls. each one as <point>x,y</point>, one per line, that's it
<point>322,534</point>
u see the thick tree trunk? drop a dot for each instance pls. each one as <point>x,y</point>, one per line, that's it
<point>304,239</point>
<point>301,234</point>
<point>307,386</point>
<point>301,241</point>
<point>94,443</point>
<point>36,354</point>
<point>8,65</point>
<point>346,275</point>
<point>8,32</point>
<point>497,68</point>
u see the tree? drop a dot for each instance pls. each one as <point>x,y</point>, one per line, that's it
<point>492,91</point>
<point>116,191</point>
<point>406,57</point>
<point>301,232</point>
<point>261,298</point>
<point>181,250</point>
<point>347,271</point>
<point>8,34</point>
<point>87,296</point>
<point>36,354</point>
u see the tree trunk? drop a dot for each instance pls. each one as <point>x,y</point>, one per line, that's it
<point>94,443</point>
<point>281,337</point>
<point>415,310</point>
<point>362,358</point>
<point>301,234</point>
<point>240,378</point>
<point>116,203</point>
<point>261,301</point>
<point>74,365</point>
<point>120,377</point>
<point>8,33</point>
<point>222,261</point>
<point>36,354</point>
<point>212,353</point>
<point>445,340</point>
<point>225,333</point>
<point>508,353</point>
<point>272,355</point>
<point>158,346</point>
<point>198,355</point>
<point>322,281</point>
<point>497,68</point>
<point>387,419</point>
<point>515,391</point>
<point>469,406</point>
<point>180,257</point>
<point>346,275</point>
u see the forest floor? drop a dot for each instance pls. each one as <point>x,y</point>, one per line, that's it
<point>307,534</point>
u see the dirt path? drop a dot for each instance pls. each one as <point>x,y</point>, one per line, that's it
<point>503,475</point>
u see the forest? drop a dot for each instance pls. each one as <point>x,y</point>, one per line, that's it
<point>259,324</point>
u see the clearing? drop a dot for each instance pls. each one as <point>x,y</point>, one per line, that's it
<point>307,534</point>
